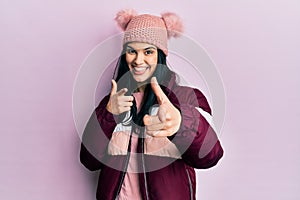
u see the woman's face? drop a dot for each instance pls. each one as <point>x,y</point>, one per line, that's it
<point>141,59</point>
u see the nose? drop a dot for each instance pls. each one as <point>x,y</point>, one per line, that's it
<point>139,59</point>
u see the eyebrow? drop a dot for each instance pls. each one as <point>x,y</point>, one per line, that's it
<point>147,48</point>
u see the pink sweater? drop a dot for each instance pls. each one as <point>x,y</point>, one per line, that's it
<point>130,187</point>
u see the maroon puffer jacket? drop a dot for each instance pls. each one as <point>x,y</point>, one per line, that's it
<point>161,178</point>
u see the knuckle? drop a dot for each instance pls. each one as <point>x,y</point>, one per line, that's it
<point>168,124</point>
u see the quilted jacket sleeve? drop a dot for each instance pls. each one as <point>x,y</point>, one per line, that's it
<point>196,139</point>
<point>96,136</point>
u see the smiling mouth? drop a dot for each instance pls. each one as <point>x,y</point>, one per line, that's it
<point>139,70</point>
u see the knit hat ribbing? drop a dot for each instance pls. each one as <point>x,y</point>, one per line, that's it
<point>149,28</point>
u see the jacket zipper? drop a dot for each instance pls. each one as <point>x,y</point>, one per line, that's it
<point>190,184</point>
<point>125,167</point>
<point>144,170</point>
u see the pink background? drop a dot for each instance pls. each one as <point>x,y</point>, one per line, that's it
<point>255,45</point>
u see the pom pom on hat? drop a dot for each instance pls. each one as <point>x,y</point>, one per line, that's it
<point>173,24</point>
<point>123,17</point>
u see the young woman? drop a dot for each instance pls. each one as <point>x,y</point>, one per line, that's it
<point>147,135</point>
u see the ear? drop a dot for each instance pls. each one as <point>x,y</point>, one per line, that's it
<point>123,17</point>
<point>173,23</point>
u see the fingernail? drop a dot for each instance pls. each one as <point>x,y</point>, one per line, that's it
<point>154,80</point>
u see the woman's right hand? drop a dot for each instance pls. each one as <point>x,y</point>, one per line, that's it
<point>118,103</point>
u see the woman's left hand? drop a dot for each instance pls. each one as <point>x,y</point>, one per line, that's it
<point>168,118</point>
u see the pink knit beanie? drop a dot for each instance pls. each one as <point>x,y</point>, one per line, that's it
<point>150,29</point>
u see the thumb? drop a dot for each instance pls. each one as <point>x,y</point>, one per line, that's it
<point>159,93</point>
<point>114,87</point>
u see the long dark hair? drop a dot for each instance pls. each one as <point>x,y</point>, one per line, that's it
<point>124,79</point>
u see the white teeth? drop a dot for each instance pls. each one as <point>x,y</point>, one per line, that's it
<point>139,69</point>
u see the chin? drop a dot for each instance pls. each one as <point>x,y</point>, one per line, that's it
<point>140,80</point>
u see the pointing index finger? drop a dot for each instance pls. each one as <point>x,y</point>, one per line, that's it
<point>159,93</point>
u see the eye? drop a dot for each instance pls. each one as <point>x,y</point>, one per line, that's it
<point>131,51</point>
<point>149,52</point>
